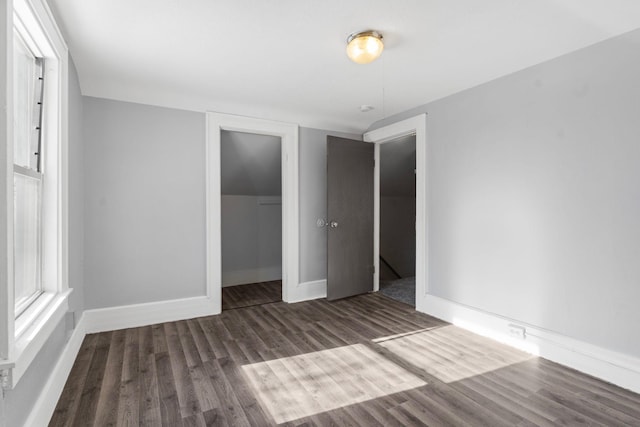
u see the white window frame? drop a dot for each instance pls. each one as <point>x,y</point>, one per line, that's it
<point>22,338</point>
<point>27,171</point>
<point>23,306</point>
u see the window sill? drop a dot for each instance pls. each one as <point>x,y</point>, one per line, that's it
<point>29,316</point>
<point>33,329</point>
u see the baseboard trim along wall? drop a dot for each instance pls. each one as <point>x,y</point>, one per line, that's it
<point>136,315</point>
<point>617,368</point>
<point>46,402</point>
<point>306,291</point>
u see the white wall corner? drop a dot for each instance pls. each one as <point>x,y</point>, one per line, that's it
<point>617,368</point>
<point>46,402</point>
<point>137,315</point>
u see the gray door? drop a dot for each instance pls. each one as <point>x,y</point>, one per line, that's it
<point>350,217</point>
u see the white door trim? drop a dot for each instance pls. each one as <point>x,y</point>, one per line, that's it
<point>216,123</point>
<point>417,125</point>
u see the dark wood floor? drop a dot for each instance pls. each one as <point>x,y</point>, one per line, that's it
<point>366,360</point>
<point>253,294</point>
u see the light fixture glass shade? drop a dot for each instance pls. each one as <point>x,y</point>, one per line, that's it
<point>364,47</point>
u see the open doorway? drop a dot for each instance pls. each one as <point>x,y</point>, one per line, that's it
<point>251,218</point>
<point>288,133</point>
<point>397,238</point>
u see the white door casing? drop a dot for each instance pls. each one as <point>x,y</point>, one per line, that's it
<point>216,123</point>
<point>417,125</point>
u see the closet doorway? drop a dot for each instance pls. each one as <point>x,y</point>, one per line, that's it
<point>251,218</point>
<point>217,123</point>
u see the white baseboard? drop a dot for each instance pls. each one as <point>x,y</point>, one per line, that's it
<point>616,368</point>
<point>46,402</point>
<point>254,275</point>
<point>136,315</point>
<point>307,291</point>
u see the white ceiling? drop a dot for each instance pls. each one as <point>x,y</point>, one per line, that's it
<point>285,60</point>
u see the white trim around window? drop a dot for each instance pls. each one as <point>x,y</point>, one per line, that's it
<point>22,339</point>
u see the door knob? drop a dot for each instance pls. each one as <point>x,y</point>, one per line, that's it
<point>333,224</point>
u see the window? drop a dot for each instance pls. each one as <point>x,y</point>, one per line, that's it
<point>36,293</point>
<point>28,84</point>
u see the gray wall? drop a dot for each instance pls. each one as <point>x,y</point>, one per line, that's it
<point>144,203</point>
<point>251,239</point>
<point>313,201</point>
<point>534,198</point>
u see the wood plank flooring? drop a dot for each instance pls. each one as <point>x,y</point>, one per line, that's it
<point>252,294</point>
<point>366,360</point>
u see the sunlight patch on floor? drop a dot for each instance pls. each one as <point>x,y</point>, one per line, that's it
<point>452,354</point>
<point>300,386</point>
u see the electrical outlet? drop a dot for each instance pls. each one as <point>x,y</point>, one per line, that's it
<point>517,331</point>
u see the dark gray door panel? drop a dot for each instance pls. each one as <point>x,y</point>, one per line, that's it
<point>350,217</point>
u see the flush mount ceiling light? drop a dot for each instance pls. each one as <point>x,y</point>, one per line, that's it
<point>364,47</point>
